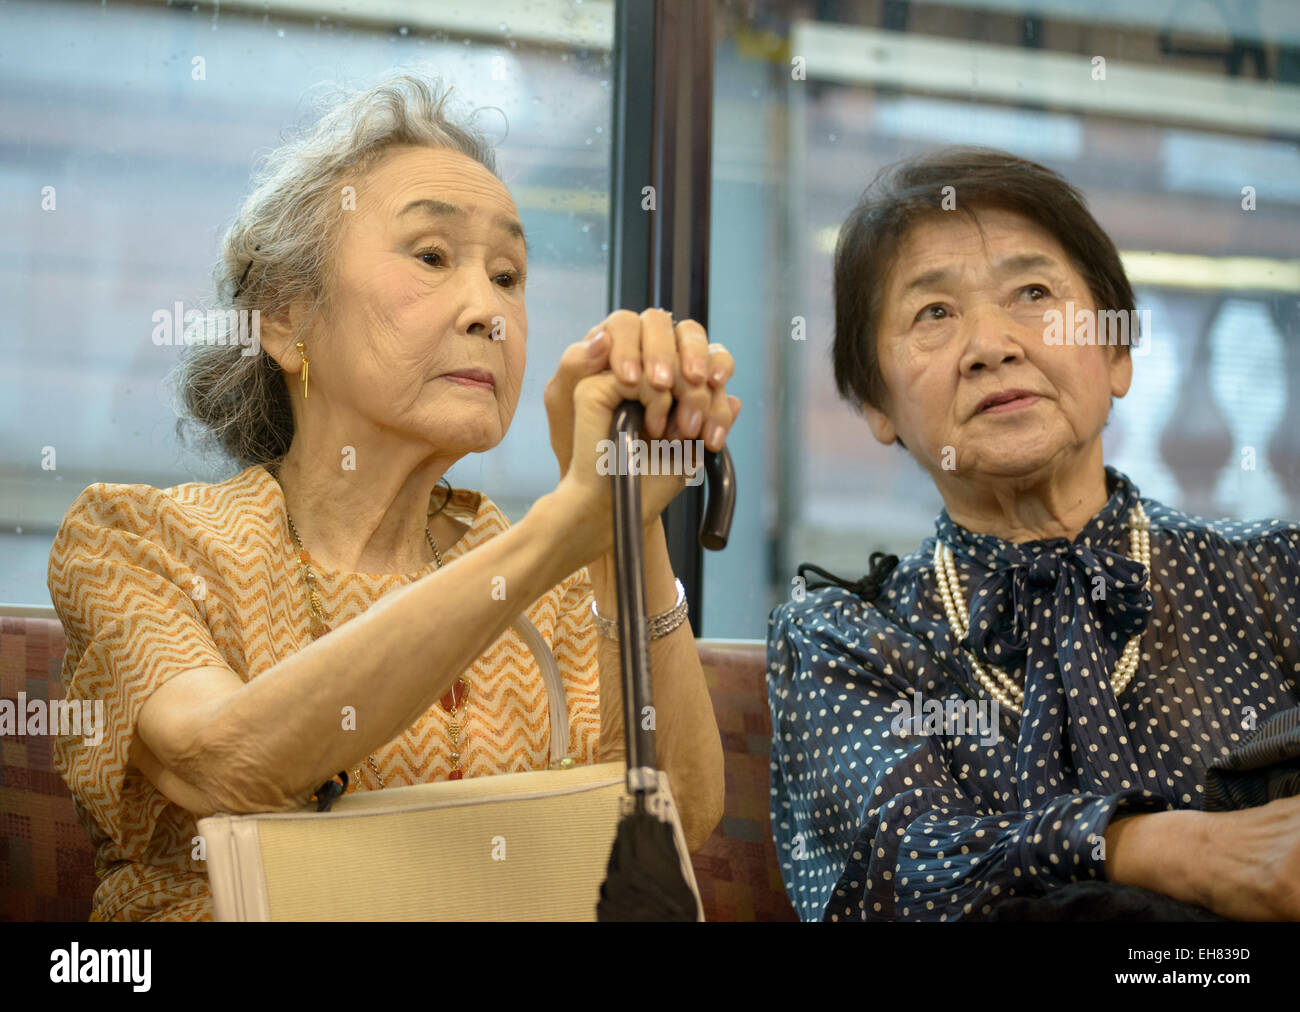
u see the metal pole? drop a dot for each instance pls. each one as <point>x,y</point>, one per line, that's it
<point>663,138</point>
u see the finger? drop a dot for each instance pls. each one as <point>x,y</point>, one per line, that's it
<point>693,403</point>
<point>692,351</point>
<point>588,356</point>
<point>721,365</point>
<point>624,328</point>
<point>604,391</point>
<point>693,395</point>
<point>673,431</point>
<point>722,413</point>
<point>582,358</point>
<point>658,348</point>
<point>658,403</point>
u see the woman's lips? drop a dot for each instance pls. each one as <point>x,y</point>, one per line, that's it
<point>1013,405</point>
<point>472,379</point>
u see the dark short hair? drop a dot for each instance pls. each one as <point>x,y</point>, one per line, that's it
<point>907,192</point>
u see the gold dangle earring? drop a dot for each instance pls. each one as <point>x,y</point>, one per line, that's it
<point>303,352</point>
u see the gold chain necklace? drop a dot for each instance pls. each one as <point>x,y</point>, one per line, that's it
<point>997,683</point>
<point>458,693</point>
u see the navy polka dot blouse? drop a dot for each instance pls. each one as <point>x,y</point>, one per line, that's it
<point>900,792</point>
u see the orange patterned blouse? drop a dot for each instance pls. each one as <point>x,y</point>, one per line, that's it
<point>152,582</point>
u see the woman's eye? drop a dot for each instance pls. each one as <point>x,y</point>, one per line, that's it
<point>934,311</point>
<point>437,254</point>
<point>1036,292</point>
<point>508,279</point>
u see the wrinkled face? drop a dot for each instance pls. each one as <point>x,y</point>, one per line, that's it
<point>426,330</point>
<point>962,318</point>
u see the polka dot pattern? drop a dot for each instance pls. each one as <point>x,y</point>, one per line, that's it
<point>871,824</point>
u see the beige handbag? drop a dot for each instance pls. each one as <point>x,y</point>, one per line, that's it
<point>514,847</point>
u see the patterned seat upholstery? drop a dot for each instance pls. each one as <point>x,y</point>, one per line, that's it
<point>737,870</point>
<point>47,865</point>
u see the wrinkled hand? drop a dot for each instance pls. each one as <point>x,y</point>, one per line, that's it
<point>1253,869</point>
<point>644,358</point>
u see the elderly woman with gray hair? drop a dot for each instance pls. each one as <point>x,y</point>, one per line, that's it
<point>1036,703</point>
<point>331,606</point>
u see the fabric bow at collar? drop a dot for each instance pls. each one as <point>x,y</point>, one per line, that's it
<point>1057,614</point>
<point>1074,574</point>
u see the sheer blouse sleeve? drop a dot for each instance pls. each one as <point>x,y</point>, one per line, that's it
<point>1273,569</point>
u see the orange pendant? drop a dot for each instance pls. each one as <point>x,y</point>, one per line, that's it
<point>455,696</point>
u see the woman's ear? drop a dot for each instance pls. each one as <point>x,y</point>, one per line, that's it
<point>881,425</point>
<point>277,329</point>
<point>1121,370</point>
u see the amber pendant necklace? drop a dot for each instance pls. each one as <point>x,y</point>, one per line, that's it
<point>453,701</point>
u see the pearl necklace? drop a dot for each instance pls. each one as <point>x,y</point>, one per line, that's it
<point>996,682</point>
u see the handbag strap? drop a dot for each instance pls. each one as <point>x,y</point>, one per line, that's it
<point>555,697</point>
<point>556,701</point>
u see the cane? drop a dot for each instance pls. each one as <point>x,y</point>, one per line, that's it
<point>644,880</point>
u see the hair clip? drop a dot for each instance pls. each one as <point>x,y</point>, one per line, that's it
<point>244,277</point>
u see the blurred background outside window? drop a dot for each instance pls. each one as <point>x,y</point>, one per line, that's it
<point>146,119</point>
<point>1172,117</point>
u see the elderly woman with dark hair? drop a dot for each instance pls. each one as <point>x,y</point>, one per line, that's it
<point>235,632</point>
<point>1029,701</point>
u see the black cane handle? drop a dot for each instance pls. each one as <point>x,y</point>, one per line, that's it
<point>715,526</point>
<point>720,472</point>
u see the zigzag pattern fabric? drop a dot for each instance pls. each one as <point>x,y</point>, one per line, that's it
<point>149,583</point>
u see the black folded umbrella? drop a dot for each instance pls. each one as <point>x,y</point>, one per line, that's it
<point>644,881</point>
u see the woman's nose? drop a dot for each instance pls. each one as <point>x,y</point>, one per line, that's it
<point>991,339</point>
<point>479,311</point>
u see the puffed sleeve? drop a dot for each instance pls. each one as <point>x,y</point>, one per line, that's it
<point>575,653</point>
<point>872,822</point>
<point>124,598</point>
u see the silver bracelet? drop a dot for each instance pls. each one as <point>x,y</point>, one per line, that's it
<point>658,626</point>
